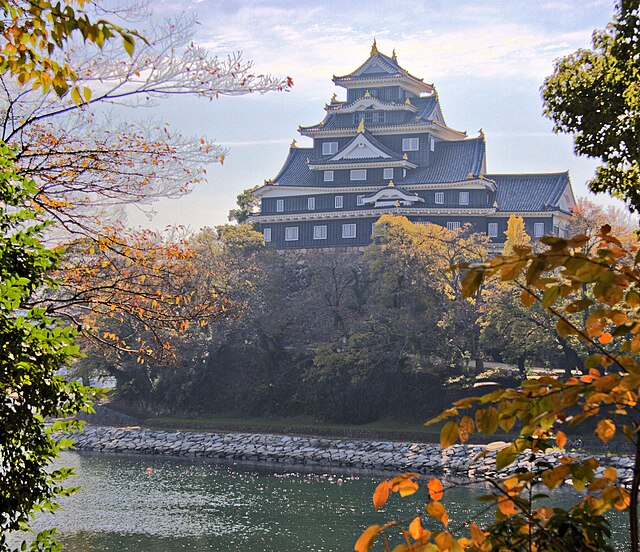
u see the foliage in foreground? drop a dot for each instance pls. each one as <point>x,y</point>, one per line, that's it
<point>34,347</point>
<point>593,290</point>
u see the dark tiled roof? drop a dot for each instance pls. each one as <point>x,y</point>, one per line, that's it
<point>529,192</point>
<point>389,66</point>
<point>427,107</point>
<point>295,171</point>
<point>452,162</point>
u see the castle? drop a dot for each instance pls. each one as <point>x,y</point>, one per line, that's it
<point>387,149</point>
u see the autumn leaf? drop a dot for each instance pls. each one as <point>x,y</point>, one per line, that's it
<point>506,506</point>
<point>416,530</point>
<point>561,439</point>
<point>448,434</point>
<point>437,511</point>
<point>466,428</point>
<point>381,495</point>
<point>605,429</point>
<point>435,489</point>
<point>366,540</point>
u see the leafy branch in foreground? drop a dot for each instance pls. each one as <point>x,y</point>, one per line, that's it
<point>34,347</point>
<point>595,295</point>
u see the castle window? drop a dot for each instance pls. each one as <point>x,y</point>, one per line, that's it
<point>348,230</point>
<point>338,202</point>
<point>360,200</point>
<point>320,232</point>
<point>328,176</point>
<point>291,233</point>
<point>368,117</point>
<point>311,203</point>
<point>463,198</point>
<point>387,174</point>
<point>329,148</point>
<point>538,229</point>
<point>492,229</point>
<point>453,226</point>
<point>439,198</point>
<point>266,232</point>
<point>280,205</point>
<point>358,174</point>
<point>410,144</point>
<point>432,144</point>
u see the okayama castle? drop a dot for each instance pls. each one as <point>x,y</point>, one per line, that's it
<point>387,149</point>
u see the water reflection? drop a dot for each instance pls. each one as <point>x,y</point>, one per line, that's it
<point>156,504</point>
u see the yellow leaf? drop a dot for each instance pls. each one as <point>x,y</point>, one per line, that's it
<point>466,428</point>
<point>444,541</point>
<point>506,456</point>
<point>407,487</point>
<point>381,495</point>
<point>605,429</point>
<point>366,540</point>
<point>435,489</point>
<point>448,434</point>
<point>437,511</point>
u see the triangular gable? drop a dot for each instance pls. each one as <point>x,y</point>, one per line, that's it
<point>387,197</point>
<point>361,148</point>
<point>374,66</point>
<point>567,200</point>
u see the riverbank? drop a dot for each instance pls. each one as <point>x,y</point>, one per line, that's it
<point>459,461</point>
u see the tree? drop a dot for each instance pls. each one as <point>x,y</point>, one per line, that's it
<point>516,235</point>
<point>593,95</point>
<point>34,346</point>
<point>247,203</point>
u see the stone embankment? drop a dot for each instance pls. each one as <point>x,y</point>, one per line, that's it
<point>456,461</point>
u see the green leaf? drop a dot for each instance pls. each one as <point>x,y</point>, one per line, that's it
<point>449,434</point>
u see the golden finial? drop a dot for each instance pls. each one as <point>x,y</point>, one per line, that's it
<point>334,98</point>
<point>470,176</point>
<point>481,132</point>
<point>408,101</point>
<point>397,204</point>
<point>405,157</point>
<point>495,204</point>
<point>367,94</point>
<point>374,48</point>
<point>294,144</point>
<point>394,57</point>
<point>391,184</point>
<point>481,176</point>
<point>361,126</point>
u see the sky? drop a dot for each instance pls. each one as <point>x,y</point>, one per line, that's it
<point>487,59</point>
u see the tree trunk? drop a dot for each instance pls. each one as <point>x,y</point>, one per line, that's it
<point>521,366</point>
<point>572,358</point>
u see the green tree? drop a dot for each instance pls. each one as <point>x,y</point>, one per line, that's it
<point>247,203</point>
<point>34,347</point>
<point>594,95</point>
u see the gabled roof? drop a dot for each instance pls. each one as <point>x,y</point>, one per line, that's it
<point>370,147</point>
<point>530,192</point>
<point>453,162</point>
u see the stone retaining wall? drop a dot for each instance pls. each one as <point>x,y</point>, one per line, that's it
<point>456,461</point>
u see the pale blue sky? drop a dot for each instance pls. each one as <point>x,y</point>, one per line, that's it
<point>487,59</point>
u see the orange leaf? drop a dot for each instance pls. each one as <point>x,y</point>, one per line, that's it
<point>366,540</point>
<point>407,487</point>
<point>506,506</point>
<point>605,338</point>
<point>416,530</point>
<point>605,429</point>
<point>436,511</point>
<point>466,428</point>
<point>477,535</point>
<point>435,489</point>
<point>561,439</point>
<point>381,495</point>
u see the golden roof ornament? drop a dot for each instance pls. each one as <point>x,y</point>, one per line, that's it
<point>470,176</point>
<point>481,133</point>
<point>294,144</point>
<point>361,126</point>
<point>481,176</point>
<point>495,204</point>
<point>408,101</point>
<point>374,48</point>
<point>334,98</point>
<point>391,184</point>
<point>397,203</point>
<point>405,157</point>
<point>367,94</point>
<point>394,57</point>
